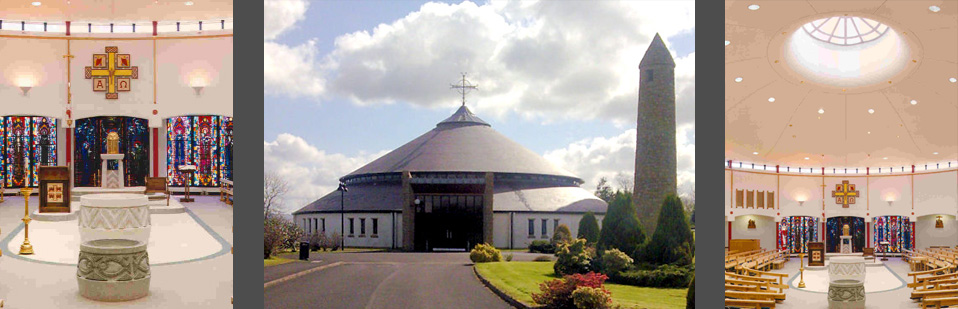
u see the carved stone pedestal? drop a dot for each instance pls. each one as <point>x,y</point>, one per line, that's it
<point>113,270</point>
<point>114,216</point>
<point>846,244</point>
<point>846,293</point>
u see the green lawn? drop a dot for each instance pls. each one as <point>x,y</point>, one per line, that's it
<point>521,279</point>
<point>275,261</point>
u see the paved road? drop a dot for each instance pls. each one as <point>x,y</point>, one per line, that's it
<point>387,280</point>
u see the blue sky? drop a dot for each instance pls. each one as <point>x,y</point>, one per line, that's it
<point>343,123</point>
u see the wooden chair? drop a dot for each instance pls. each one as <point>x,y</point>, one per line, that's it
<point>156,189</point>
<point>868,253</point>
<point>226,191</point>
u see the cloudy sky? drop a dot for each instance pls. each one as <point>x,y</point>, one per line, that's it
<point>348,81</point>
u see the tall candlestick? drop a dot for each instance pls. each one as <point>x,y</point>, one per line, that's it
<point>26,248</point>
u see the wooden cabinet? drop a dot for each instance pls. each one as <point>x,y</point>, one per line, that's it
<point>741,245</point>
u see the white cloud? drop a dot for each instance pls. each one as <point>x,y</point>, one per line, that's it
<point>547,61</point>
<point>310,172</point>
<point>594,158</point>
<point>288,70</point>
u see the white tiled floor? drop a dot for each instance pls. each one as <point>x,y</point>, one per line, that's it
<point>877,279</point>
<point>199,284</point>
<point>897,298</point>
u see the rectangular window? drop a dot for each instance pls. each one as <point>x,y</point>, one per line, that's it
<point>647,75</point>
<point>545,232</point>
<point>324,225</point>
<point>305,226</point>
<point>362,226</point>
<point>315,225</point>
<point>351,227</point>
<point>555,224</point>
<point>375,226</point>
<point>532,228</point>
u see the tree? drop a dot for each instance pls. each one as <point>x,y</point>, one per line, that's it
<point>690,297</point>
<point>688,199</point>
<point>562,234</point>
<point>625,182</point>
<point>603,191</point>
<point>274,188</point>
<point>589,228</point>
<point>672,241</point>
<point>621,228</point>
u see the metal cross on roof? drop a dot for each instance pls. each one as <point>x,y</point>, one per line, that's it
<point>464,87</point>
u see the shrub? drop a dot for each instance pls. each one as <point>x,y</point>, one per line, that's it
<point>672,241</point>
<point>558,293</point>
<point>690,298</point>
<point>614,261</point>
<point>562,235</point>
<point>319,241</point>
<point>586,297</point>
<point>665,276</point>
<point>542,258</point>
<point>509,257</point>
<point>573,258</point>
<point>483,253</point>
<point>621,228</point>
<point>589,228</point>
<point>542,246</point>
<point>335,242</point>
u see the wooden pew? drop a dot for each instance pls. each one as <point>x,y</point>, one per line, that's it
<point>939,302</point>
<point>749,303</point>
<point>778,297</point>
<point>226,191</point>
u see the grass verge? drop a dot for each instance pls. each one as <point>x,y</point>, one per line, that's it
<point>275,261</point>
<point>521,279</point>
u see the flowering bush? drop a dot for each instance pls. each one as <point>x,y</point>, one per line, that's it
<point>574,258</point>
<point>558,293</point>
<point>614,261</point>
<point>586,297</point>
<point>483,253</point>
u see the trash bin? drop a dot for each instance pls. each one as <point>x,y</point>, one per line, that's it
<point>304,251</point>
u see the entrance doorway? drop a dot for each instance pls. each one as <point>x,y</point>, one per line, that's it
<point>448,221</point>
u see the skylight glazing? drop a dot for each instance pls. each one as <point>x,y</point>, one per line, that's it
<point>845,30</point>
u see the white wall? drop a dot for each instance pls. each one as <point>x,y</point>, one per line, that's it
<point>382,239</point>
<point>911,195</point>
<point>764,230</point>
<point>521,238</point>
<point>927,235</point>
<point>40,63</point>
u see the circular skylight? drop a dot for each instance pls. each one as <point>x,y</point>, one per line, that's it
<point>845,30</point>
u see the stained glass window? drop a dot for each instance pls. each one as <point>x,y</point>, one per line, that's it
<point>794,233</point>
<point>91,142</point>
<point>896,230</point>
<point>203,141</point>
<point>30,137</point>
<point>833,227</point>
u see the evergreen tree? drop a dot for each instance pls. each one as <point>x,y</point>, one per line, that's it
<point>589,228</point>
<point>690,297</point>
<point>562,235</point>
<point>621,228</point>
<point>672,241</point>
<point>603,191</point>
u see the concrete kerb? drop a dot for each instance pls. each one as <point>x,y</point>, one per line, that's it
<point>512,301</point>
<point>299,274</point>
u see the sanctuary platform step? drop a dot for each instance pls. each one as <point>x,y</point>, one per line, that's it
<point>868,263</point>
<point>156,207</point>
<point>77,192</point>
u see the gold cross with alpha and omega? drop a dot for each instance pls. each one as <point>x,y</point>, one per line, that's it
<point>111,72</point>
<point>845,193</point>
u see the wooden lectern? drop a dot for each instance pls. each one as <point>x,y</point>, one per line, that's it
<point>816,254</point>
<point>54,188</point>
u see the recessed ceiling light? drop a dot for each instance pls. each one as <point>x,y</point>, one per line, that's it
<point>755,153</point>
<point>35,3</point>
<point>914,102</point>
<point>821,110</point>
<point>869,132</point>
<point>885,158</point>
<point>727,42</point>
<point>189,2</point>
<point>934,8</point>
<point>771,99</point>
<point>871,111</point>
<point>753,7</point>
<point>935,153</point>
<point>953,80</point>
<point>806,158</point>
<point>738,79</point>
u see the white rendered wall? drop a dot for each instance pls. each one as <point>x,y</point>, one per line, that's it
<point>764,230</point>
<point>520,231</point>
<point>382,239</point>
<point>927,235</point>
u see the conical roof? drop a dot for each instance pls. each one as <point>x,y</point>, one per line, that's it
<point>462,143</point>
<point>657,54</point>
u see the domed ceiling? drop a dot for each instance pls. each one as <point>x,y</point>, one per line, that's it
<point>841,83</point>
<point>115,10</point>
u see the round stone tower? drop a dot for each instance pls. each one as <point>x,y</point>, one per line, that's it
<point>655,134</point>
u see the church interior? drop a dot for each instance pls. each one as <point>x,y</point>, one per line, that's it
<point>841,154</point>
<point>116,138</point>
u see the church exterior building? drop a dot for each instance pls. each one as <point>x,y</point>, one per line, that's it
<point>460,184</point>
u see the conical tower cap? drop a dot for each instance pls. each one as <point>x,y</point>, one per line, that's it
<point>657,54</point>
